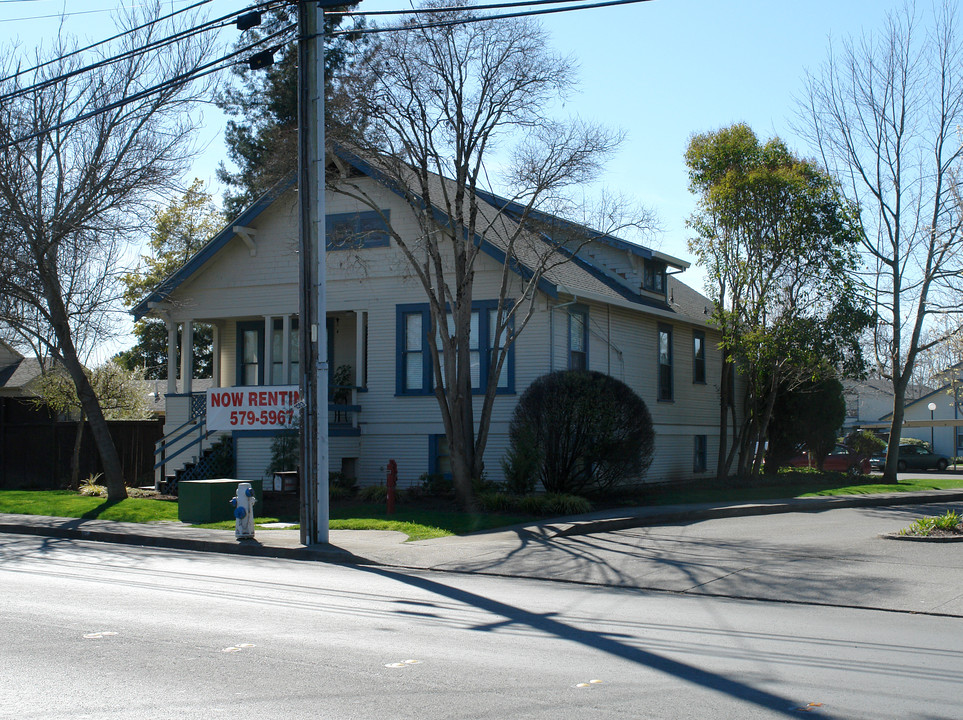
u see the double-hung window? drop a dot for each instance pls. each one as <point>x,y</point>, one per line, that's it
<point>415,374</point>
<point>414,366</point>
<point>495,342</point>
<point>578,338</point>
<point>250,351</point>
<point>698,357</point>
<point>277,353</point>
<point>474,350</point>
<point>665,363</point>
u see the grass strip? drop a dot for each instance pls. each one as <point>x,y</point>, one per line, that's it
<point>422,524</point>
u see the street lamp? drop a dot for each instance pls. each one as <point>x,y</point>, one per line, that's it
<point>932,407</point>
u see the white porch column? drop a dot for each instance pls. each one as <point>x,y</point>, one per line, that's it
<point>286,349</point>
<point>171,357</point>
<point>187,357</point>
<point>268,350</point>
<point>216,351</point>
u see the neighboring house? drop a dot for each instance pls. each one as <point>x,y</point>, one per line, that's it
<point>943,426</point>
<point>869,400</point>
<point>618,308</point>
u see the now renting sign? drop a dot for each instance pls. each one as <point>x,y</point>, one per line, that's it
<point>252,408</point>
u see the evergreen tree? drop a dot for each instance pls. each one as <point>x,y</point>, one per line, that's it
<point>262,137</point>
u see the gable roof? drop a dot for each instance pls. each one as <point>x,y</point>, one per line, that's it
<point>216,243</point>
<point>578,277</point>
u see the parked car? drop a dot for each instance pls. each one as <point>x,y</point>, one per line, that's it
<point>912,457</point>
<point>840,459</point>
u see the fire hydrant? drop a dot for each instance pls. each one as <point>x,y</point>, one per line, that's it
<point>243,504</point>
<point>392,485</point>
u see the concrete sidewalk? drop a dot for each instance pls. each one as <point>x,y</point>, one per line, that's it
<point>390,548</point>
<point>817,551</point>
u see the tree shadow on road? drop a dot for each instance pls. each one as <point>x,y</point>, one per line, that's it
<point>600,641</point>
<point>666,558</point>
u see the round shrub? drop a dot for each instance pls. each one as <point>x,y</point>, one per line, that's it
<point>589,431</point>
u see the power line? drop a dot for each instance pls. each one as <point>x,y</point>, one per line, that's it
<point>447,9</point>
<point>256,6</point>
<point>194,74</point>
<point>62,15</point>
<point>102,42</point>
<point>153,45</point>
<point>481,18</point>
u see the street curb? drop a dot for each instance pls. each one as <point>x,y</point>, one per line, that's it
<point>242,547</point>
<point>815,504</point>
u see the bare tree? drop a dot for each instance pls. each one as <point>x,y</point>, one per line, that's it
<point>885,114</point>
<point>88,141</point>
<point>439,97</point>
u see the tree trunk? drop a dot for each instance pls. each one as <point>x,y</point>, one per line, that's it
<point>75,458</point>
<point>895,432</point>
<point>722,464</point>
<point>90,405</point>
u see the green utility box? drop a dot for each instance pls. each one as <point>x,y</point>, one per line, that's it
<point>209,501</point>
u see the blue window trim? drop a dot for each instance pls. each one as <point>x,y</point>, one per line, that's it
<point>483,308</point>
<point>242,327</point>
<point>658,360</point>
<point>584,311</point>
<point>696,380</point>
<point>372,239</point>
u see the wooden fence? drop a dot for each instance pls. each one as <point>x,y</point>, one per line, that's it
<point>36,449</point>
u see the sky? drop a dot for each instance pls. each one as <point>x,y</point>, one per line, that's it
<point>660,71</point>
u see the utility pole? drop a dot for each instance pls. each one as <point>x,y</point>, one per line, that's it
<point>315,512</point>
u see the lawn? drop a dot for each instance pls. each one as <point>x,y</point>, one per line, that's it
<point>67,503</point>
<point>437,520</point>
<point>791,485</point>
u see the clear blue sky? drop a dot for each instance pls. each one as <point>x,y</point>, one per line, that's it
<point>660,70</point>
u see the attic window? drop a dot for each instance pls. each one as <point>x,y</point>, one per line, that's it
<point>653,276</point>
<point>354,231</point>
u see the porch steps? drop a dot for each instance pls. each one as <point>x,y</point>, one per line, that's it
<point>198,469</point>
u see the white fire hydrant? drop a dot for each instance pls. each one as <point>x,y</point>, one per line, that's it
<point>243,504</point>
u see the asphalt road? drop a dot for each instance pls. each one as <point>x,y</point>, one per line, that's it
<point>108,631</point>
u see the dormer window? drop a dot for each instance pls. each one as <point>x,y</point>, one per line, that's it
<point>653,276</point>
